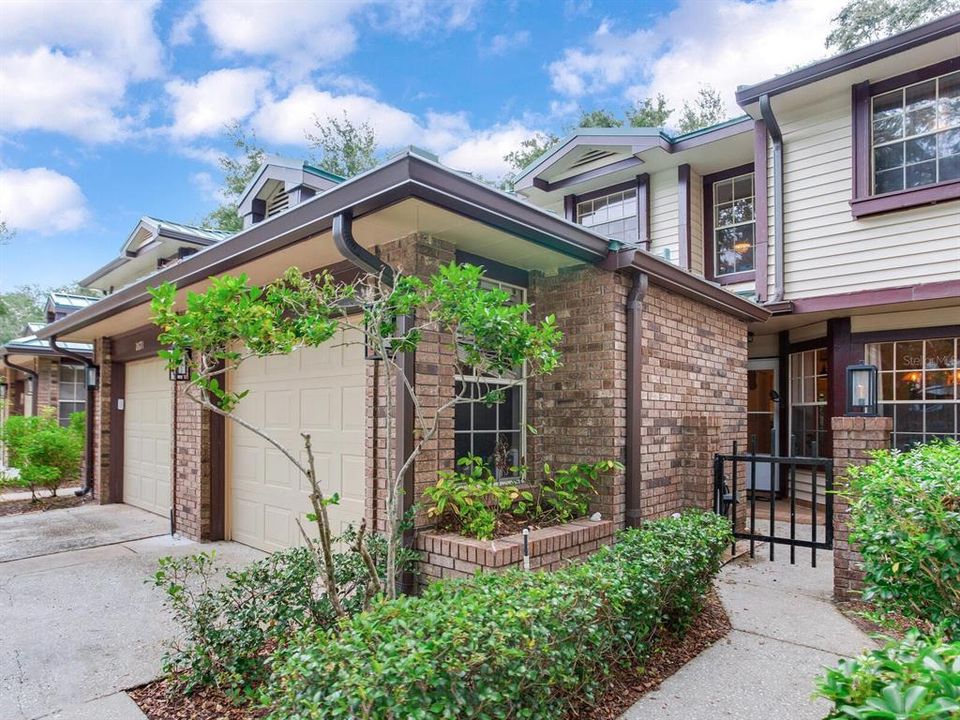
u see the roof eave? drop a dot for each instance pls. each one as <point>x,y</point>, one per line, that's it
<point>851,59</point>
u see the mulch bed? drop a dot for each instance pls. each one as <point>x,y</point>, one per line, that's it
<point>896,625</point>
<point>669,655</point>
<point>626,686</point>
<point>21,507</point>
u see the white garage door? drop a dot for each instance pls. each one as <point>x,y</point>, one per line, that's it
<point>319,391</point>
<point>146,436</point>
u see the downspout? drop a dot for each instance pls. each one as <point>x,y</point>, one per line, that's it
<point>32,374</point>
<point>638,291</point>
<point>348,247</point>
<point>766,112</point>
<point>91,403</point>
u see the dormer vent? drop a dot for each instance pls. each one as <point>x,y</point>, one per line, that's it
<point>278,201</point>
<point>592,156</point>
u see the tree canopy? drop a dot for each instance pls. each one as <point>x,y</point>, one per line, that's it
<point>704,110</point>
<point>345,148</point>
<point>864,21</point>
<point>238,169</point>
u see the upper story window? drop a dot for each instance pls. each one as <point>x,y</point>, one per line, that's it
<point>916,135</point>
<point>905,133</point>
<point>613,215</point>
<point>73,392</point>
<point>733,225</point>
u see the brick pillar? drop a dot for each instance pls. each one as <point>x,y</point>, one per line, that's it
<point>192,455</point>
<point>102,436</point>
<point>48,385</point>
<point>580,410</point>
<point>702,437</point>
<point>853,439</point>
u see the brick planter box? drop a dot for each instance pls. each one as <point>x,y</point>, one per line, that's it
<point>448,555</point>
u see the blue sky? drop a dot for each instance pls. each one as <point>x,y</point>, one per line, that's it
<point>114,110</point>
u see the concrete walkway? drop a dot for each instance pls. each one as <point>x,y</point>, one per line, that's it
<point>78,622</point>
<point>785,630</point>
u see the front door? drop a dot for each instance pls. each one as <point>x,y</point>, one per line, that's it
<point>762,417</point>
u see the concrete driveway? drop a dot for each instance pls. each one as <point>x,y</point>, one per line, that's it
<point>78,624</point>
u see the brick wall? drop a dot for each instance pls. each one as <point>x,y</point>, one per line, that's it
<point>694,376</point>
<point>48,382</point>
<point>445,555</point>
<point>418,255</point>
<point>191,450</point>
<point>853,438</point>
<point>580,410</point>
<point>104,400</point>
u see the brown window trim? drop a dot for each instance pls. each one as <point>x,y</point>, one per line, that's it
<point>641,184</point>
<point>863,204</point>
<point>708,268</point>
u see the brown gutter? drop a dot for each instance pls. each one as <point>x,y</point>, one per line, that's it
<point>32,374</point>
<point>773,128</point>
<point>634,485</point>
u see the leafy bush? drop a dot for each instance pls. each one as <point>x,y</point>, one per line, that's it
<point>44,453</point>
<point>511,645</point>
<point>905,520</point>
<point>472,500</point>
<point>228,628</point>
<point>916,678</point>
<point>565,493</point>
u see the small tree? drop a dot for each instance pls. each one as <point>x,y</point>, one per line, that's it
<point>706,109</point>
<point>346,149</point>
<point>233,321</point>
<point>651,112</point>
<point>44,453</point>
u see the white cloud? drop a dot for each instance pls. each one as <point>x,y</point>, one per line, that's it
<point>204,106</point>
<point>284,121</point>
<point>505,42</point>
<point>209,188</point>
<point>698,43</point>
<point>65,66</point>
<point>41,200</point>
<point>46,90</point>
<point>482,152</point>
<point>304,36</point>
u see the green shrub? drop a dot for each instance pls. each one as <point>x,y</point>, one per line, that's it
<point>511,645</point>
<point>905,520</point>
<point>45,453</point>
<point>472,500</point>
<point>228,628</point>
<point>565,493</point>
<point>916,678</point>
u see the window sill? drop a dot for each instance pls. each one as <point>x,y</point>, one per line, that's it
<point>735,278</point>
<point>904,199</point>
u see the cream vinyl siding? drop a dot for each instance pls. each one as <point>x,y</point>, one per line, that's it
<point>826,250</point>
<point>696,223</point>
<point>664,216</point>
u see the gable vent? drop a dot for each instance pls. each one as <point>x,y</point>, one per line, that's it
<point>278,202</point>
<point>592,156</point>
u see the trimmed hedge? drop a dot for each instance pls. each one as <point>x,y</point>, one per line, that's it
<point>511,645</point>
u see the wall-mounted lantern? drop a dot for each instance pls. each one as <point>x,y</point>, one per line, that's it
<point>862,390</point>
<point>92,375</point>
<point>181,373</point>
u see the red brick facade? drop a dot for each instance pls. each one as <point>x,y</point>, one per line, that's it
<point>694,398</point>
<point>192,457</point>
<point>853,439</point>
<point>580,410</point>
<point>103,430</point>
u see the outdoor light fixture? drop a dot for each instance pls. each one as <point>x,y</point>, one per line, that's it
<point>862,390</point>
<point>181,373</point>
<point>92,373</point>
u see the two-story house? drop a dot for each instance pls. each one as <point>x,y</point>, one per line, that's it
<point>834,203</point>
<point>712,287</point>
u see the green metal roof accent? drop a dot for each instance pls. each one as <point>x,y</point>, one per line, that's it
<point>207,233</point>
<point>31,343</point>
<point>708,129</point>
<point>71,301</point>
<point>320,172</point>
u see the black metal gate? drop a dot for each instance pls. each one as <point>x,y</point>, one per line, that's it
<point>736,495</point>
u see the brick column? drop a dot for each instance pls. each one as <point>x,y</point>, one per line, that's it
<point>853,439</point>
<point>104,402</point>
<point>702,437</point>
<point>191,456</point>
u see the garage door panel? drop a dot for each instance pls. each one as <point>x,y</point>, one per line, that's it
<point>147,430</point>
<point>319,391</point>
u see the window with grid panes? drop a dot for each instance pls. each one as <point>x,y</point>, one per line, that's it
<point>808,400</point>
<point>73,392</point>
